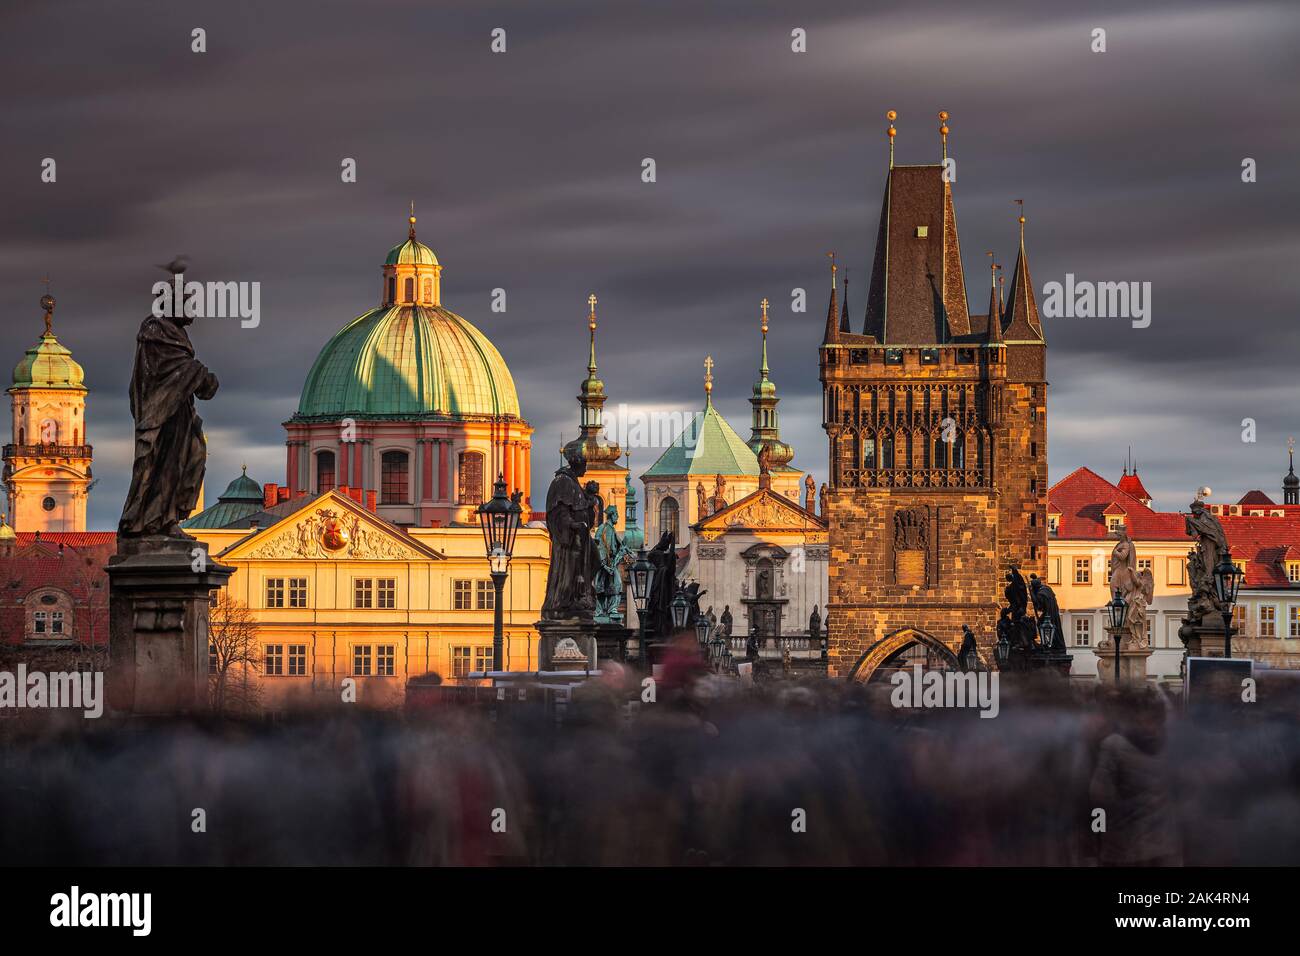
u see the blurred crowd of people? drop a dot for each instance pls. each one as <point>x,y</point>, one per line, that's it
<point>691,770</point>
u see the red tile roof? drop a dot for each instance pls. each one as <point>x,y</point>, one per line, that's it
<point>1264,543</point>
<point>78,569</point>
<point>1131,484</point>
<point>1256,497</point>
<point>1084,498</point>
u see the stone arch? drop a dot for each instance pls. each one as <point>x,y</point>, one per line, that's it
<point>893,642</point>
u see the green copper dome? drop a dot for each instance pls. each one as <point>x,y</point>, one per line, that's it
<point>48,364</point>
<point>405,361</point>
<point>411,252</point>
<point>242,497</point>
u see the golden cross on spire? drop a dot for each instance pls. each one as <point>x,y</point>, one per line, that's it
<point>764,305</point>
<point>708,374</point>
<point>1290,444</point>
<point>591,301</point>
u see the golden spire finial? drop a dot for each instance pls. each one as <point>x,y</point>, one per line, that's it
<point>1021,204</point>
<point>411,220</point>
<point>993,268</point>
<point>591,301</point>
<point>891,133</point>
<point>834,267</point>
<point>708,377</point>
<point>764,305</point>
<point>943,132</point>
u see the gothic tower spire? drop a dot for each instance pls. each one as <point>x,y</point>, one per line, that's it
<point>765,426</point>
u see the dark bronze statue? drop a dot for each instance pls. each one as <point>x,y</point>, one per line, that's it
<point>659,607</point>
<point>170,453</point>
<point>1047,609</point>
<point>570,511</point>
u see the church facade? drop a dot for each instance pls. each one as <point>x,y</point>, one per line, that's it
<point>936,419</point>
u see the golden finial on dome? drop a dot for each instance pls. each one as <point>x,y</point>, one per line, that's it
<point>591,301</point>
<point>411,219</point>
<point>708,375</point>
<point>764,305</point>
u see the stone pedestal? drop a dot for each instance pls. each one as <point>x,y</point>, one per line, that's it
<point>159,594</point>
<point>1132,661</point>
<point>567,645</point>
<point>1203,639</point>
<point>612,641</point>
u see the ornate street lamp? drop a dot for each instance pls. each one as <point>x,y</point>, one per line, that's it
<point>1227,579</point>
<point>499,519</point>
<point>702,631</point>
<point>1047,631</point>
<point>1002,650</point>
<point>681,607</point>
<point>643,576</point>
<point>1118,611</point>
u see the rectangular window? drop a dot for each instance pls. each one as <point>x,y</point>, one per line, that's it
<point>363,593</point>
<point>297,660</point>
<point>212,658</point>
<point>386,593</point>
<point>1083,570</point>
<point>1146,564</point>
<point>1051,523</point>
<point>275,592</point>
<point>461,595</point>
<point>39,621</point>
<point>460,661</point>
<point>1114,523</point>
<point>1293,572</point>
<point>1293,620</point>
<point>1148,632</point>
<point>385,655</point>
<point>483,658</point>
<point>274,659</point>
<point>297,592</point>
<point>1082,632</point>
<point>1267,620</point>
<point>56,622</point>
<point>1053,570</point>
<point>1176,571</point>
<point>361,659</point>
<point>484,596</point>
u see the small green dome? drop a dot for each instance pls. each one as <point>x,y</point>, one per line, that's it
<point>411,252</point>
<point>242,497</point>
<point>48,364</point>
<point>242,488</point>
<point>407,361</point>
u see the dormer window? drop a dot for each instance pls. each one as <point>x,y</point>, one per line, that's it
<point>1293,572</point>
<point>1114,523</point>
<point>1052,523</point>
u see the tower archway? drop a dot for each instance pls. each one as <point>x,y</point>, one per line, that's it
<point>909,643</point>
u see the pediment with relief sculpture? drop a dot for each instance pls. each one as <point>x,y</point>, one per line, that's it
<point>762,511</point>
<point>330,528</point>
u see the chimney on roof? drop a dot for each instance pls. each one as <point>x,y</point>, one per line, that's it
<point>283,493</point>
<point>270,495</point>
<point>370,501</point>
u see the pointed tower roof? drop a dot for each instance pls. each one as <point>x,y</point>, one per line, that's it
<point>844,307</point>
<point>832,311</point>
<point>1021,322</point>
<point>917,294</point>
<point>708,445</point>
<point>765,424</point>
<point>1291,480</point>
<point>596,449</point>
<point>995,303</point>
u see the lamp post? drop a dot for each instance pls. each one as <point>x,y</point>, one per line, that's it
<point>702,631</point>
<point>1047,631</point>
<point>1227,579</point>
<point>1002,650</point>
<point>1118,611</point>
<point>499,518</point>
<point>643,575</point>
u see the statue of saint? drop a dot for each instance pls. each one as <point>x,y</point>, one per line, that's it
<point>570,585</point>
<point>1046,608</point>
<point>609,576</point>
<point>725,622</point>
<point>701,502</point>
<point>764,458</point>
<point>1137,588</point>
<point>1211,544</point>
<point>814,623</point>
<point>170,453</point>
<point>821,500</point>
<point>663,588</point>
<point>968,658</point>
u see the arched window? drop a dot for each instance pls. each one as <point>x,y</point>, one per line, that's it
<point>22,435</point>
<point>471,478</point>
<point>410,289</point>
<point>959,451</point>
<point>392,288</point>
<point>940,459</point>
<point>393,478</point>
<point>668,512</point>
<point>887,452</point>
<point>869,453</point>
<point>428,290</point>
<point>324,471</point>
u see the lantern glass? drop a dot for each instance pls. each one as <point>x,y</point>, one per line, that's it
<point>643,573</point>
<point>1118,611</point>
<point>498,561</point>
<point>1048,632</point>
<point>680,608</point>
<point>499,519</point>
<point>1227,580</point>
<point>1003,650</point>
<point>702,629</point>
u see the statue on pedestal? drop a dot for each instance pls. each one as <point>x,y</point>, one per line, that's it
<point>609,576</point>
<point>170,453</point>
<point>1211,545</point>
<point>570,510</point>
<point>1046,608</point>
<point>1137,588</point>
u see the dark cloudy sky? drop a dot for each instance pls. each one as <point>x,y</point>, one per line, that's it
<point>525,169</point>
